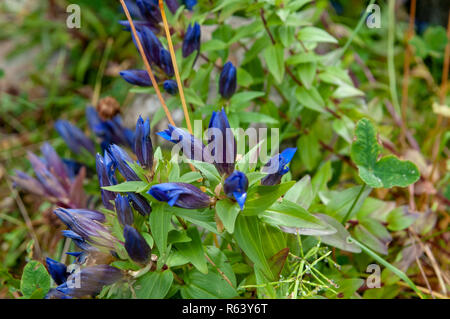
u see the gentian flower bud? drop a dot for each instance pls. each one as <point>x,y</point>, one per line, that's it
<point>172,5</point>
<point>90,280</point>
<point>121,160</point>
<point>192,147</point>
<point>139,203</point>
<point>78,240</point>
<point>123,210</point>
<point>236,186</point>
<point>55,163</point>
<point>105,179</point>
<point>190,4</point>
<point>152,45</point>
<point>166,62</point>
<point>74,137</point>
<point>170,86</point>
<point>136,77</point>
<point>227,80</point>
<point>277,167</point>
<point>191,41</point>
<point>180,195</point>
<point>222,142</point>
<point>136,246</point>
<point>57,270</point>
<point>143,143</point>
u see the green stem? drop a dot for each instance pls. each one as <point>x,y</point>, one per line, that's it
<point>353,205</point>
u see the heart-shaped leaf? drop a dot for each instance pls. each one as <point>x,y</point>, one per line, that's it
<point>388,171</point>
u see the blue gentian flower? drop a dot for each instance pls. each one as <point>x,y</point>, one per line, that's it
<point>78,240</point>
<point>222,142</point>
<point>136,246</point>
<point>74,137</point>
<point>57,270</point>
<point>90,281</point>
<point>227,80</point>
<point>143,143</point>
<point>149,9</point>
<point>235,186</point>
<point>123,210</point>
<point>140,204</point>
<point>105,178</point>
<point>277,167</point>
<point>136,77</point>
<point>166,62</point>
<point>121,159</point>
<point>191,147</point>
<point>180,195</point>
<point>170,86</point>
<point>191,41</point>
<point>190,4</point>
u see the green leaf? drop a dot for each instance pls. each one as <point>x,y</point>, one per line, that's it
<point>203,218</point>
<point>313,34</point>
<point>160,225</point>
<point>227,212</point>
<point>342,201</point>
<point>373,234</point>
<point>274,56</point>
<point>338,239</point>
<point>35,277</point>
<point>190,177</point>
<point>387,172</point>
<point>255,117</point>
<point>248,237</point>
<point>309,149</point>
<point>221,262</point>
<point>311,99</point>
<point>193,250</point>
<point>209,286</point>
<point>207,169</point>
<point>307,72</point>
<point>132,186</point>
<point>153,285</point>
<point>261,197</point>
<point>301,193</point>
<point>400,218</point>
<point>295,219</point>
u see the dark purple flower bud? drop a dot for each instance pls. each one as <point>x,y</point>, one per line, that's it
<point>72,167</point>
<point>191,41</point>
<point>55,164</point>
<point>173,5</point>
<point>28,183</point>
<point>91,214</point>
<point>78,240</point>
<point>166,62</point>
<point>170,86</point>
<point>123,210</point>
<point>136,77</point>
<point>277,167</point>
<point>143,143</point>
<point>180,195</point>
<point>121,159</point>
<point>236,186</point>
<point>227,80</point>
<point>74,137</point>
<point>152,45</point>
<point>222,142</point>
<point>105,179</point>
<point>57,270</point>
<point>89,281</point>
<point>139,25</point>
<point>191,147</point>
<point>190,4</point>
<point>136,246</point>
<point>150,10</point>
<point>139,203</point>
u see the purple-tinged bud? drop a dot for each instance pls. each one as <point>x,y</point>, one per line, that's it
<point>166,62</point>
<point>57,270</point>
<point>28,183</point>
<point>136,77</point>
<point>89,281</point>
<point>180,195</point>
<point>277,167</point>
<point>121,160</point>
<point>173,5</point>
<point>104,179</point>
<point>78,240</point>
<point>152,45</point>
<point>227,80</point>
<point>190,4</point>
<point>136,246</point>
<point>191,41</point>
<point>236,186</point>
<point>170,86</point>
<point>222,142</point>
<point>143,143</point>
<point>192,147</point>
<point>55,164</point>
<point>123,210</point>
<point>140,204</point>
<point>74,137</point>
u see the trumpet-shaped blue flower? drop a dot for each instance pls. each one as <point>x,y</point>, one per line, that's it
<point>57,270</point>
<point>227,80</point>
<point>222,142</point>
<point>139,203</point>
<point>180,195</point>
<point>235,186</point>
<point>277,167</point>
<point>143,143</point>
<point>191,41</point>
<point>136,246</point>
<point>74,137</point>
<point>121,159</point>
<point>170,86</point>
<point>105,174</point>
<point>136,77</point>
<point>123,210</point>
